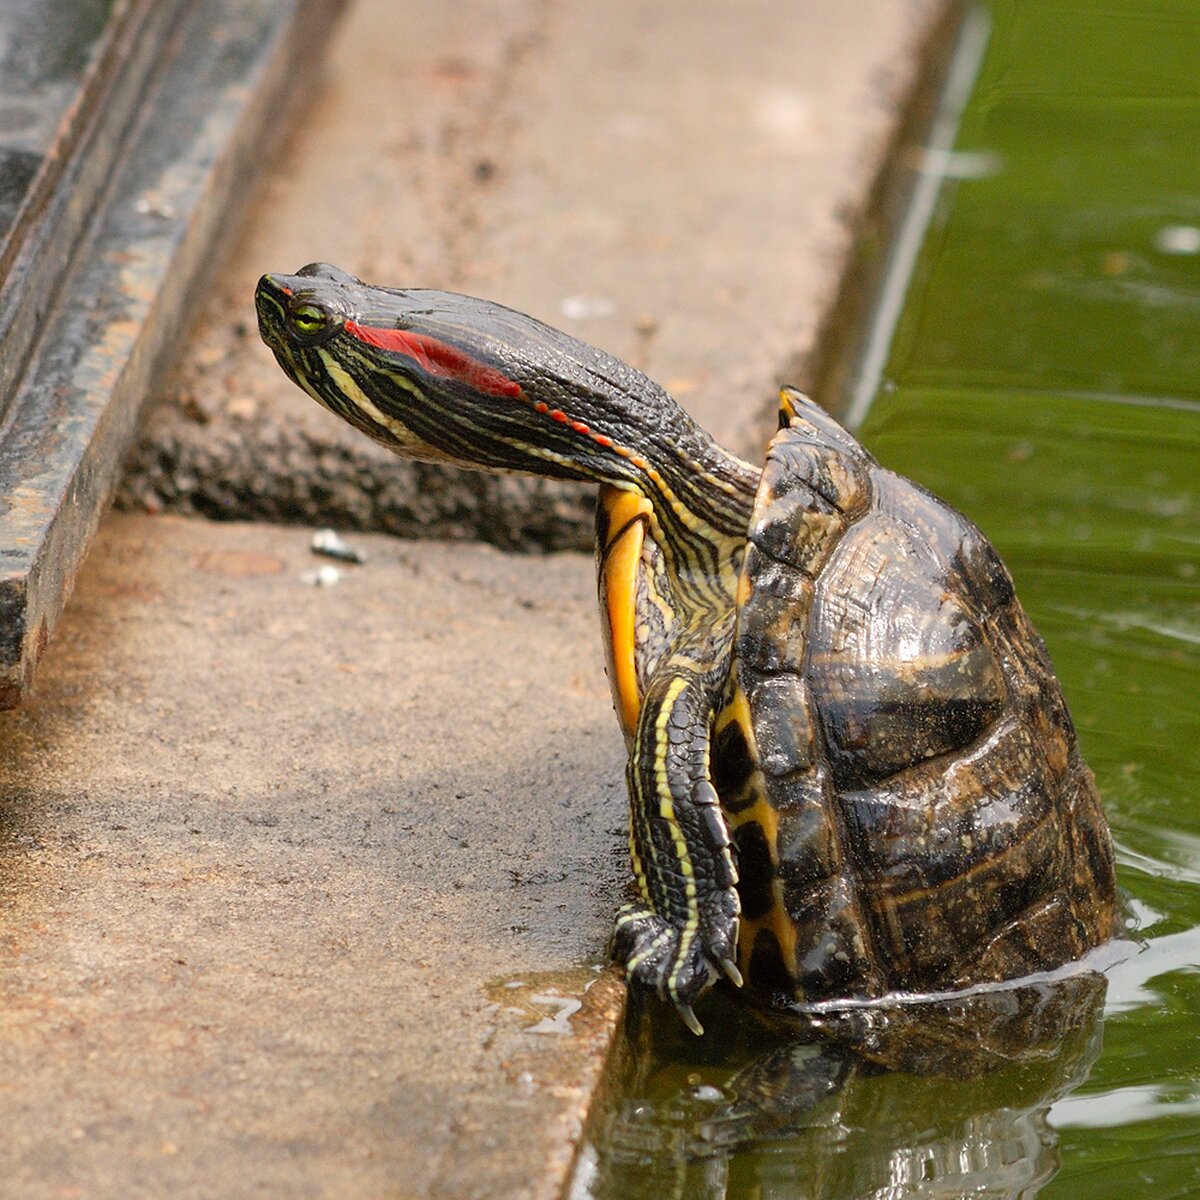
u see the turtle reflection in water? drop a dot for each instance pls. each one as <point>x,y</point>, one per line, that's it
<point>832,1120</point>
<point>851,770</point>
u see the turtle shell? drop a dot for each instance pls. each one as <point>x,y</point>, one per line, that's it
<point>896,761</point>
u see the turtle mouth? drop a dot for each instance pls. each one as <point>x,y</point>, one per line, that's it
<point>270,304</point>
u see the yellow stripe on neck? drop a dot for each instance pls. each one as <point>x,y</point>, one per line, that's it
<point>399,436</point>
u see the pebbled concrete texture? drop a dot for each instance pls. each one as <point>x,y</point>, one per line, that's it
<point>679,183</point>
<point>303,887</point>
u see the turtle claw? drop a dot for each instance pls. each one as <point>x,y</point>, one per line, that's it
<point>678,965</point>
<point>689,1018</point>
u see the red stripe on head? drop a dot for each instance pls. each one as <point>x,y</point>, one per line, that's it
<point>437,358</point>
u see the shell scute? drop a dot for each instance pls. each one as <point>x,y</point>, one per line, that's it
<point>1031,941</point>
<point>925,933</point>
<point>783,728</point>
<point>802,537</point>
<point>981,578</point>
<point>1089,856</point>
<point>782,600</point>
<point>938,820</point>
<point>900,670</point>
<point>835,957</point>
<point>807,844</point>
<point>801,416</point>
<point>949,852</point>
<point>803,458</point>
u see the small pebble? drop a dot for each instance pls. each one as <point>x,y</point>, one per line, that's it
<point>152,205</point>
<point>325,576</point>
<point>327,542</point>
<point>584,308</point>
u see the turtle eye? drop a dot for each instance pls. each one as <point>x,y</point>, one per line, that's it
<point>308,320</point>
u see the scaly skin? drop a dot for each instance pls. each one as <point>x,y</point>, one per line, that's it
<point>441,377</point>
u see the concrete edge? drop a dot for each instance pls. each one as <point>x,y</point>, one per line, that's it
<point>825,369</point>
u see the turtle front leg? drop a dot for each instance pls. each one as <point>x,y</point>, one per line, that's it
<point>682,933</point>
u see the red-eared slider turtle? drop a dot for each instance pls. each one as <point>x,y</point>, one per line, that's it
<point>851,769</point>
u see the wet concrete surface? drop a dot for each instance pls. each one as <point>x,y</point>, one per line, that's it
<point>677,183</point>
<point>298,881</point>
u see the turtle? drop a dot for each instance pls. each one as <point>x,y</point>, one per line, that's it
<point>851,769</point>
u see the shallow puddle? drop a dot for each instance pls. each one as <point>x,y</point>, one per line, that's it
<point>544,1001</point>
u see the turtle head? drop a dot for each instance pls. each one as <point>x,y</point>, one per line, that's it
<point>409,368</point>
<point>442,377</point>
<point>435,375</point>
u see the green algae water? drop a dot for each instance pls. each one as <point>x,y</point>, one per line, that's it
<point>1040,370</point>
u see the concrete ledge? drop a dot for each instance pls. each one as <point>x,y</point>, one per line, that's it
<point>306,882</point>
<point>73,79</point>
<point>306,889</point>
